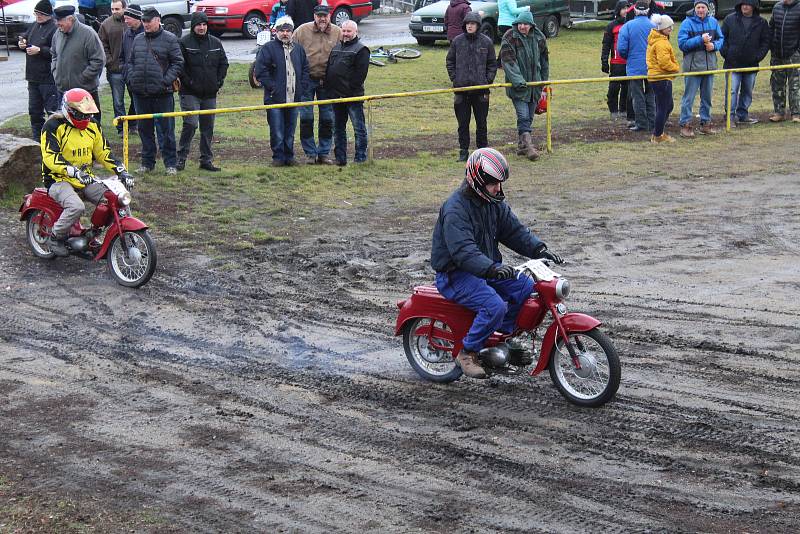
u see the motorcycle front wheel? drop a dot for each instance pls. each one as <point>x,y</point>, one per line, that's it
<point>37,229</point>
<point>132,258</point>
<point>597,381</point>
<point>432,364</point>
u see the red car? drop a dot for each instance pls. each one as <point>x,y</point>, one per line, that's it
<point>244,15</point>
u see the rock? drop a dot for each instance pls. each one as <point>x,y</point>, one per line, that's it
<point>20,162</point>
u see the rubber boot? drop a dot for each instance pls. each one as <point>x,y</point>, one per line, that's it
<point>468,361</point>
<point>463,154</point>
<point>521,148</point>
<point>58,246</point>
<point>530,151</point>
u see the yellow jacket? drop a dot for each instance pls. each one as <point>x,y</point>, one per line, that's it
<point>660,56</point>
<point>62,144</point>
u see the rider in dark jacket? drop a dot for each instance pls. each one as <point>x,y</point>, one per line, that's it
<point>465,254</point>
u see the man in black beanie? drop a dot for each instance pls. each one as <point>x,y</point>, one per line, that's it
<point>42,93</point>
<point>205,66</point>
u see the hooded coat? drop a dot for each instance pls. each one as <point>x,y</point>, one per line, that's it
<point>690,40</point>
<point>660,56</point>
<point>525,58</point>
<point>454,17</point>
<point>745,45</point>
<point>471,59</point>
<point>205,64</point>
<point>611,36</point>
<point>785,26</point>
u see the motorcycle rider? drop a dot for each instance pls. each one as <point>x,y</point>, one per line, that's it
<point>466,256</point>
<point>71,141</point>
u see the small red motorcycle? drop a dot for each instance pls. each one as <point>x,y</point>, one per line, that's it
<point>582,360</point>
<point>114,233</point>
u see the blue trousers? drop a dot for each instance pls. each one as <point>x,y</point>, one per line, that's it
<point>355,112</point>
<point>524,112</point>
<point>496,302</point>
<point>323,148</point>
<point>663,92</point>
<point>117,84</point>
<point>282,124</point>
<point>164,127</point>
<point>741,94</point>
<point>706,86</point>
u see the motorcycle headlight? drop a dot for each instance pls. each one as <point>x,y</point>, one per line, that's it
<point>416,18</point>
<point>124,198</point>
<point>562,288</point>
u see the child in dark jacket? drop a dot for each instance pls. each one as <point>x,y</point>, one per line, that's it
<point>614,65</point>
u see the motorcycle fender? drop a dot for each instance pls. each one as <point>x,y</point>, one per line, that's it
<point>573,322</point>
<point>39,200</point>
<point>128,224</point>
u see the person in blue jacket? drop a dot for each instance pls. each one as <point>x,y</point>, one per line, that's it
<point>507,12</point>
<point>465,254</point>
<point>699,38</point>
<point>276,76</point>
<point>632,45</point>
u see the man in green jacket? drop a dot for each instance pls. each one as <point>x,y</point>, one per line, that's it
<point>524,56</point>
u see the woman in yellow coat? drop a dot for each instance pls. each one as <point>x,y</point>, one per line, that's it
<point>660,61</point>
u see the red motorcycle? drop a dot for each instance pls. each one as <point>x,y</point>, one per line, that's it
<point>114,233</point>
<point>582,360</point>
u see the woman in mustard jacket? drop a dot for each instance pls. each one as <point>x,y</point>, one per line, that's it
<point>660,61</point>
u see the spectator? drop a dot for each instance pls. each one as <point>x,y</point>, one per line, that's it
<point>278,10</point>
<point>653,8</point>
<point>699,39</point>
<point>77,57</point>
<point>111,32</point>
<point>524,56</point>
<point>133,21</point>
<point>154,64</point>
<point>42,93</point>
<point>347,69</point>
<point>617,96</point>
<point>205,66</point>
<point>785,48</point>
<point>454,18</point>
<point>317,39</point>
<point>471,61</point>
<point>507,11</point>
<point>282,70</point>
<point>301,11</point>
<point>660,61</point>
<point>632,45</point>
<point>746,42</point>
<point>87,7</point>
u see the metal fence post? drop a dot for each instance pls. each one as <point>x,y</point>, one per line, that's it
<point>370,138</point>
<point>728,87</point>
<point>125,143</point>
<point>549,121</point>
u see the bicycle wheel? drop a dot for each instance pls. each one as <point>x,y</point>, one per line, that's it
<point>377,63</point>
<point>405,53</point>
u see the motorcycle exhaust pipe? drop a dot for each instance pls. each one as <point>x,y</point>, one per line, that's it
<point>79,243</point>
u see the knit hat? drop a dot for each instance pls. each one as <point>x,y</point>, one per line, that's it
<point>197,18</point>
<point>284,22</point>
<point>641,7</point>
<point>472,16</point>
<point>133,11</point>
<point>43,7</point>
<point>704,2</point>
<point>524,18</point>
<point>661,22</point>
<point>62,12</point>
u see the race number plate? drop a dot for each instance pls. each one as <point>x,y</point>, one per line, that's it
<point>433,29</point>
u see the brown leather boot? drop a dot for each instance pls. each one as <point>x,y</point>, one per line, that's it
<point>687,131</point>
<point>707,129</point>
<point>468,361</point>
<point>521,148</point>
<point>530,150</point>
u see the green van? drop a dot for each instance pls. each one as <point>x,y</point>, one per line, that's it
<point>427,22</point>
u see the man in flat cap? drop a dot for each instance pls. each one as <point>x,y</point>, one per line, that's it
<point>42,93</point>
<point>77,56</point>
<point>317,38</point>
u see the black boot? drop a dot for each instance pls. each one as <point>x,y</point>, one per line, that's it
<point>463,154</point>
<point>58,246</point>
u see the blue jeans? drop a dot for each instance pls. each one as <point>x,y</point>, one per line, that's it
<point>117,84</point>
<point>643,100</point>
<point>355,111</point>
<point>525,112</point>
<point>164,127</point>
<point>691,85</point>
<point>663,94</point>
<point>282,123</point>
<point>496,303</point>
<point>741,89</point>
<point>42,100</point>
<point>325,122</point>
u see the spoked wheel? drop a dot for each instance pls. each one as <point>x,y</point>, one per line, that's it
<point>38,229</point>
<point>431,363</point>
<point>597,381</point>
<point>405,53</point>
<point>132,258</point>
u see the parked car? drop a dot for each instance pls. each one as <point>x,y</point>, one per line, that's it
<point>240,15</point>
<point>19,16</point>
<point>677,9</point>
<point>427,22</point>
<point>175,14</point>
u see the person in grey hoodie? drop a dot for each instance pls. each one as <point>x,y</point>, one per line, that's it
<point>77,56</point>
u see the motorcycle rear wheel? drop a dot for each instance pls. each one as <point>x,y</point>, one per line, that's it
<point>597,381</point>
<point>434,365</point>
<point>37,234</point>
<point>132,270</point>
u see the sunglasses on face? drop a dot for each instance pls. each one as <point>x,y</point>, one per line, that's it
<point>78,115</point>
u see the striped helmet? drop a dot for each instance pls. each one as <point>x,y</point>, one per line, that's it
<point>484,166</point>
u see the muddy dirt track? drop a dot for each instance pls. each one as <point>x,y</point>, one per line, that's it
<point>266,392</point>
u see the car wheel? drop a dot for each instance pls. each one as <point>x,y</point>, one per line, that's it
<point>340,16</point>
<point>250,24</point>
<point>550,26</point>
<point>174,26</point>
<point>487,29</point>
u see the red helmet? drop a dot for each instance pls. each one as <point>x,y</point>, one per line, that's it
<point>78,106</point>
<point>484,166</point>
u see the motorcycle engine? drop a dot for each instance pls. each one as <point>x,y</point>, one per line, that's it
<point>496,356</point>
<point>79,244</point>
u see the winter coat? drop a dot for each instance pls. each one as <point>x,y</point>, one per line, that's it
<point>524,59</point>
<point>507,12</point>
<point>454,17</point>
<point>77,58</point>
<point>317,46</point>
<point>155,62</point>
<point>205,65</point>
<point>37,67</point>
<point>690,41</point>
<point>744,46</point>
<point>348,65</point>
<point>660,56</point>
<point>610,38</point>
<point>632,45</point>
<point>471,59</point>
<point>785,26</point>
<point>469,230</point>
<point>301,11</point>
<point>127,48</point>
<point>111,33</point>
<point>270,71</point>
